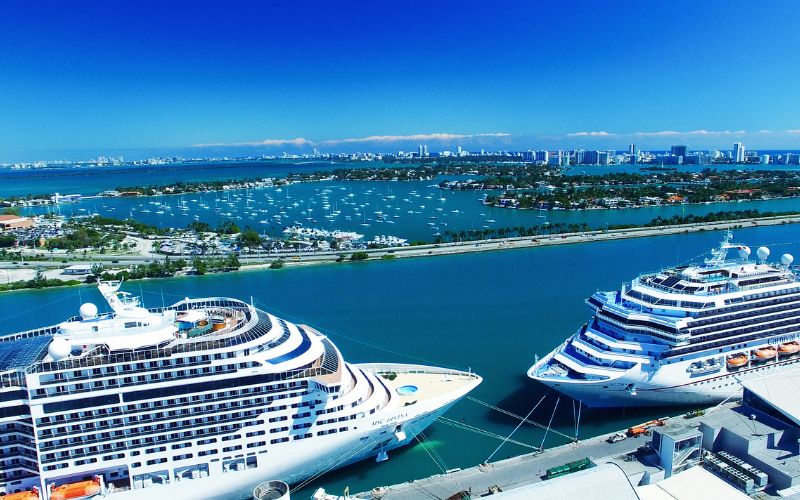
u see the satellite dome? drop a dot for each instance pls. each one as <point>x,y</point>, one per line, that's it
<point>787,259</point>
<point>763,253</point>
<point>88,311</point>
<point>744,252</point>
<point>59,349</point>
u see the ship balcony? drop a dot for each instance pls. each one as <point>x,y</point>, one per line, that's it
<point>611,342</point>
<point>611,356</point>
<point>585,366</point>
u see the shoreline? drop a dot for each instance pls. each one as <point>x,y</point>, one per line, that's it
<point>454,248</point>
<point>293,260</point>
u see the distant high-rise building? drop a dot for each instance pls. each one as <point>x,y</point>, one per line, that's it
<point>543,156</point>
<point>738,152</point>
<point>679,150</point>
<point>632,149</point>
<point>425,150</point>
<point>459,151</point>
<point>420,150</point>
<point>589,158</point>
<point>765,159</point>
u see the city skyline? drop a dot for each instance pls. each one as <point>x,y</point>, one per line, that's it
<point>147,79</point>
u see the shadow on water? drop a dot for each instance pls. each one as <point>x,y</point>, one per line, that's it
<point>570,414</point>
<point>365,469</point>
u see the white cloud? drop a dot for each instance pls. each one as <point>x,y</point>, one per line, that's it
<point>298,142</point>
<point>591,134</point>
<point>689,133</point>
<point>793,131</point>
<point>412,137</point>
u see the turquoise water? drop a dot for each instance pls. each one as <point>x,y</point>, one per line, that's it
<point>92,180</point>
<point>491,312</point>
<point>415,210</point>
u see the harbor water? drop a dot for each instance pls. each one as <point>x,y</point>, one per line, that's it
<point>490,312</point>
<point>413,210</point>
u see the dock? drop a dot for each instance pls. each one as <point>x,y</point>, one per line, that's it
<point>735,450</point>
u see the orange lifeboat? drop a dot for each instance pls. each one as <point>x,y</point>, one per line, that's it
<point>765,353</point>
<point>32,494</point>
<point>789,348</point>
<point>76,491</point>
<point>737,360</point>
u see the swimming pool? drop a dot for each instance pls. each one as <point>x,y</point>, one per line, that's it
<point>405,390</point>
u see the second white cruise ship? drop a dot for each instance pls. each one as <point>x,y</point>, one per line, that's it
<point>685,335</point>
<point>202,399</point>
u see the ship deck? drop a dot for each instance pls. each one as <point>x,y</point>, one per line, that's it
<point>414,385</point>
<point>21,353</point>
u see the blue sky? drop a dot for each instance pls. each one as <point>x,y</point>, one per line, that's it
<point>84,78</point>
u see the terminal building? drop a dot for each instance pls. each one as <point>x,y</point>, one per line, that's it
<point>14,222</point>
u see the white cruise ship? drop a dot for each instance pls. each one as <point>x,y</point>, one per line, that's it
<point>685,335</point>
<point>202,399</point>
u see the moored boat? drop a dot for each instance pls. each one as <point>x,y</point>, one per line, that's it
<point>654,341</point>
<point>160,400</point>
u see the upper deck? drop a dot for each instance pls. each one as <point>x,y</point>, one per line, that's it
<point>126,336</point>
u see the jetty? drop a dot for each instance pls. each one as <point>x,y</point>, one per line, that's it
<point>734,450</point>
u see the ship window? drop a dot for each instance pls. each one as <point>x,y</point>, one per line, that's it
<point>130,324</point>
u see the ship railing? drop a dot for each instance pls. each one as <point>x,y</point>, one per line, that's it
<point>382,368</point>
<point>48,330</point>
<point>261,326</point>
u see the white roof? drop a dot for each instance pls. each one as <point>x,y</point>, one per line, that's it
<point>779,390</point>
<point>191,316</point>
<point>606,481</point>
<point>694,484</point>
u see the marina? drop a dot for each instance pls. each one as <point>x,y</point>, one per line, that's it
<point>411,210</point>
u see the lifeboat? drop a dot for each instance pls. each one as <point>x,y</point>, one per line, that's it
<point>737,360</point>
<point>765,353</point>
<point>32,494</point>
<point>788,348</point>
<point>76,491</point>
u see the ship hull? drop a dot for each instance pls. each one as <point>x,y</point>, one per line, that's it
<point>306,459</point>
<point>668,386</point>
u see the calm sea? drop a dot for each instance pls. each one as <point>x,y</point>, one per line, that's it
<point>490,312</point>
